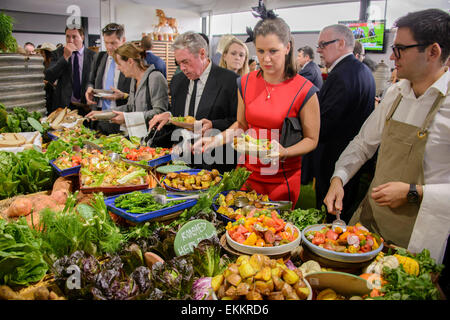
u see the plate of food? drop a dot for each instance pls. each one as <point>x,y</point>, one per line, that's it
<point>67,164</point>
<point>191,180</point>
<point>153,156</point>
<point>99,174</point>
<point>262,232</point>
<point>261,148</point>
<point>73,135</point>
<point>100,93</point>
<point>106,115</point>
<point>224,203</point>
<point>183,122</point>
<point>140,206</point>
<point>355,244</point>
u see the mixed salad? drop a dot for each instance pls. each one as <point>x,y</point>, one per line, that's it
<point>97,170</point>
<point>261,228</point>
<point>253,144</point>
<point>354,239</point>
<point>144,153</point>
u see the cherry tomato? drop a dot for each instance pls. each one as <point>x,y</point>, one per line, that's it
<point>331,235</point>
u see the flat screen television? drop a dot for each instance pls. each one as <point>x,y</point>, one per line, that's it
<point>371,34</point>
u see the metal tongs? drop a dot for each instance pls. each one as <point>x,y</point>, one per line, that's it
<point>242,202</point>
<point>160,195</point>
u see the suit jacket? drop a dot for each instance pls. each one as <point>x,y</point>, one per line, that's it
<point>159,63</point>
<point>98,71</point>
<point>219,99</point>
<point>312,72</point>
<point>346,100</point>
<point>218,104</point>
<point>60,70</point>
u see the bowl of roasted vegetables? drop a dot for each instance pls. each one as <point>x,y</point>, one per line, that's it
<point>191,180</point>
<point>258,277</point>
<point>224,203</point>
<point>262,231</point>
<point>99,174</point>
<point>353,244</point>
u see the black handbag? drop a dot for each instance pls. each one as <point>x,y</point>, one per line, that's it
<point>292,132</point>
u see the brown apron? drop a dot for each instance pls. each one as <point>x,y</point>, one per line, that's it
<point>400,158</point>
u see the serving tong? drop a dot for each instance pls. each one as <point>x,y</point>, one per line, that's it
<point>243,202</point>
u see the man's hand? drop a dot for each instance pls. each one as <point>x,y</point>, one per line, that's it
<point>119,118</point>
<point>69,48</point>
<point>160,120</point>
<point>335,194</point>
<point>91,115</point>
<point>391,194</point>
<point>90,96</point>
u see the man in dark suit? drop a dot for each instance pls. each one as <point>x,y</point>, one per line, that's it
<point>307,67</point>
<point>202,90</point>
<point>151,58</point>
<point>70,67</point>
<point>346,100</point>
<point>106,75</point>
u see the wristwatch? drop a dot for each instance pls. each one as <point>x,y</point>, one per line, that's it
<point>413,195</point>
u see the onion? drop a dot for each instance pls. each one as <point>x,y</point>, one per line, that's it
<point>202,289</point>
<point>353,239</point>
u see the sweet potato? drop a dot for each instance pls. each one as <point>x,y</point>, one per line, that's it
<point>59,196</point>
<point>19,207</point>
<point>61,189</point>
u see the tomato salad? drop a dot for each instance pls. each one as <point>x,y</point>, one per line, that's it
<point>144,153</point>
<point>261,228</point>
<point>354,239</point>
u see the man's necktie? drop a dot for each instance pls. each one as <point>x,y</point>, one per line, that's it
<point>76,85</point>
<point>106,105</point>
<point>192,102</point>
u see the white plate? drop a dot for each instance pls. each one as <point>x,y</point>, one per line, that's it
<point>102,95</point>
<point>105,115</point>
<point>337,256</point>
<point>252,150</point>
<point>285,248</point>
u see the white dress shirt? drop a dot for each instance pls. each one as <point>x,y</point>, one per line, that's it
<point>200,87</point>
<point>432,225</point>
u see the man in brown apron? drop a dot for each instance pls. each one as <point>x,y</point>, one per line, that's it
<point>411,128</point>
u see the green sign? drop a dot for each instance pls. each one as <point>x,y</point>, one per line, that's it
<point>191,234</point>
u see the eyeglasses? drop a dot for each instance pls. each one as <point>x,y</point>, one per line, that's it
<point>323,44</point>
<point>112,28</point>
<point>398,48</point>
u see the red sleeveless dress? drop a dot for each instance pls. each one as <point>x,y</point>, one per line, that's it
<point>265,117</point>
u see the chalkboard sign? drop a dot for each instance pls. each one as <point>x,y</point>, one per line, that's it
<point>191,234</point>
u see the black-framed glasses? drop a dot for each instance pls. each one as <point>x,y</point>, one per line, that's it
<point>323,44</point>
<point>397,49</point>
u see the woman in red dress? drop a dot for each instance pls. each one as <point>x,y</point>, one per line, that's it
<point>265,98</point>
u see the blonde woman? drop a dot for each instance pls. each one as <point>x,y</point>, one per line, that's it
<point>235,57</point>
<point>148,91</point>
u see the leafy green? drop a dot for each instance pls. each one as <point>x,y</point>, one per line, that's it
<point>403,286</point>
<point>88,229</point>
<point>207,258</point>
<point>24,172</point>
<point>56,148</point>
<point>21,261</point>
<point>7,42</point>
<point>139,202</point>
<point>20,120</point>
<point>302,218</point>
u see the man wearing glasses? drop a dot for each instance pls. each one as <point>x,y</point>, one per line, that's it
<point>105,75</point>
<point>346,99</point>
<point>70,66</point>
<point>408,200</point>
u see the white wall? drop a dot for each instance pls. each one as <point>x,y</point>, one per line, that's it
<point>141,18</point>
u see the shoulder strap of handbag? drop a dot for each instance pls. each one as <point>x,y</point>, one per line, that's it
<point>148,99</point>
<point>287,115</point>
